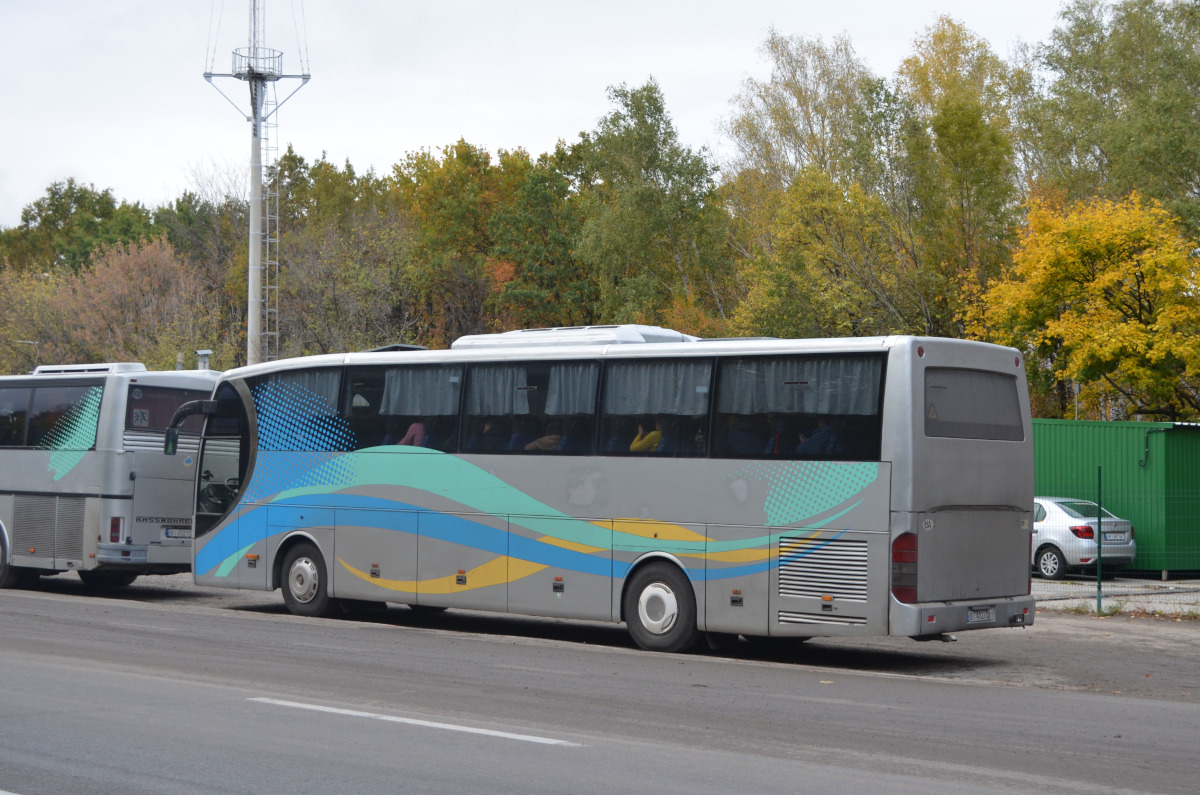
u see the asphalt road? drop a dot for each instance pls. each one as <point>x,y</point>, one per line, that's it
<point>166,687</point>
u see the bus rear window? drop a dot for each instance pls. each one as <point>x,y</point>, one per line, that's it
<point>150,408</point>
<point>972,404</point>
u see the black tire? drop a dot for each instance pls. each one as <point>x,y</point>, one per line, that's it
<point>425,611</point>
<point>660,609</point>
<point>107,579</point>
<point>304,582</point>
<point>1050,563</point>
<point>14,576</point>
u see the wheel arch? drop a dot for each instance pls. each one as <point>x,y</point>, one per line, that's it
<point>290,540</point>
<point>645,560</point>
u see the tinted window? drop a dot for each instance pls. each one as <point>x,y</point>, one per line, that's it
<point>656,407</point>
<point>150,408</point>
<point>65,417</point>
<point>1082,509</point>
<point>298,410</point>
<point>799,407</point>
<point>972,404</point>
<point>14,411</point>
<point>531,407</point>
<point>415,405</point>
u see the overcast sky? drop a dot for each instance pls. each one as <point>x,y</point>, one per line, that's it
<point>111,92</point>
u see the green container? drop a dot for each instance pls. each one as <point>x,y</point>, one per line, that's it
<point>1150,476</point>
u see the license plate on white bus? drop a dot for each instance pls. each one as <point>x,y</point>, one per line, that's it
<point>976,615</point>
<point>179,532</point>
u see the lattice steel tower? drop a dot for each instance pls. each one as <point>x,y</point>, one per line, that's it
<point>261,68</point>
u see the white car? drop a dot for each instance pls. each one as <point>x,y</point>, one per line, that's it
<point>1064,535</point>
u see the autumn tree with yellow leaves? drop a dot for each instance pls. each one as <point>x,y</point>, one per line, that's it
<point>1106,294</point>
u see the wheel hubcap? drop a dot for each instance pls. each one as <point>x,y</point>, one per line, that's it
<point>1049,564</point>
<point>302,580</point>
<point>658,608</point>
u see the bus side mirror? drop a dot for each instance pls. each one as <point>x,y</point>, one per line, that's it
<point>205,407</point>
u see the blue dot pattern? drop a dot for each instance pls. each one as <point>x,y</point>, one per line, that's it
<point>295,420</point>
<point>798,491</point>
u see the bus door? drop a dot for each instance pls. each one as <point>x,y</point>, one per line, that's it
<point>163,486</point>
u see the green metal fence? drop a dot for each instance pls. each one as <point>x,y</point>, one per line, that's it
<point>1144,472</point>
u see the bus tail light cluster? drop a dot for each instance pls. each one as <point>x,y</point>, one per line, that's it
<point>904,568</point>
<point>116,529</point>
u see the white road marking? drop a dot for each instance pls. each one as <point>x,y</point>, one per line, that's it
<point>429,724</point>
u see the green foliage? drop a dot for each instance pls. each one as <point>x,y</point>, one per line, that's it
<point>1119,111</point>
<point>653,230</point>
<point>65,227</point>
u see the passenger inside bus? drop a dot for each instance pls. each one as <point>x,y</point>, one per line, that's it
<point>648,437</point>
<point>549,440</point>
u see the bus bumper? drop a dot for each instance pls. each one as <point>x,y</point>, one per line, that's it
<point>935,618</point>
<point>121,554</point>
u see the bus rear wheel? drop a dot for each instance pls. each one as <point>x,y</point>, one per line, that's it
<point>305,585</point>
<point>107,579</point>
<point>660,610</point>
<point>13,576</point>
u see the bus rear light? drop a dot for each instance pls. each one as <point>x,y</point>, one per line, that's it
<point>116,526</point>
<point>1083,531</point>
<point>904,568</point>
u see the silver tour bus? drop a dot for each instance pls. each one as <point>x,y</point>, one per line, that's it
<point>84,485</point>
<point>757,487</point>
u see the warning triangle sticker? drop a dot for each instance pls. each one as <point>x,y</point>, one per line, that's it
<point>932,412</point>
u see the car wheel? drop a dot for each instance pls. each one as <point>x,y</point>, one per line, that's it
<point>1050,563</point>
<point>305,585</point>
<point>660,610</point>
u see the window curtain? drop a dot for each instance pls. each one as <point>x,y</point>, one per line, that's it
<point>657,387</point>
<point>572,388</point>
<point>497,390</point>
<point>421,391</point>
<point>824,385</point>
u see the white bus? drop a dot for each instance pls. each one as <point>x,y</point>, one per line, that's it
<point>84,485</point>
<point>776,488</point>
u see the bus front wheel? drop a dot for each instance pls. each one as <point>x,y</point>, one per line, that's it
<point>305,585</point>
<point>660,610</point>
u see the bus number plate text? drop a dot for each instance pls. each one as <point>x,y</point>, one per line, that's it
<point>976,615</point>
<point>179,532</point>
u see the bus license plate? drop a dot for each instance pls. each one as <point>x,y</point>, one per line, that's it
<point>1114,536</point>
<point>179,532</point>
<point>978,614</point>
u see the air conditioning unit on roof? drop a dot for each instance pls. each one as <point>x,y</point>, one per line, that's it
<point>627,334</point>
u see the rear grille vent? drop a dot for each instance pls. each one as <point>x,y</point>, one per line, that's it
<point>51,526</point>
<point>813,568</point>
<point>153,442</point>
<point>790,617</point>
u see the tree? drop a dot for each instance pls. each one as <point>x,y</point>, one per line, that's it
<point>1118,111</point>
<point>534,233</point>
<point>67,225</point>
<point>654,231</point>
<point>1106,294</point>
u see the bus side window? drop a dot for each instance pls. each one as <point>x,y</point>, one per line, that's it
<point>656,407</point>
<point>14,409</point>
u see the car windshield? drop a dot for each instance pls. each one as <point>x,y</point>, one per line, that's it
<point>1082,509</point>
